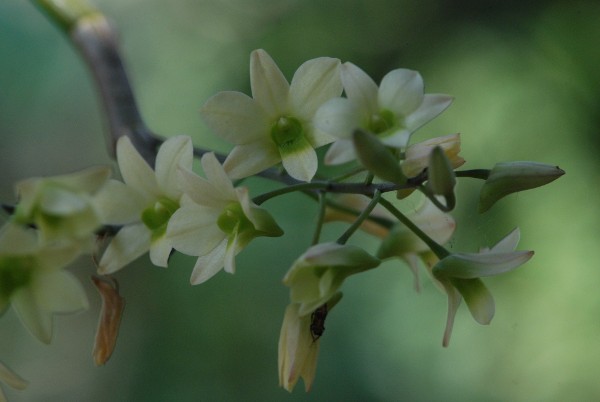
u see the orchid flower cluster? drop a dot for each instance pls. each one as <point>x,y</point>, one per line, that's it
<point>211,216</point>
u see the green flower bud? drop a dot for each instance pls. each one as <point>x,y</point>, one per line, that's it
<point>440,173</point>
<point>377,157</point>
<point>511,177</point>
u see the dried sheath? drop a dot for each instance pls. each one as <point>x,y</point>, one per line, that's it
<point>110,318</point>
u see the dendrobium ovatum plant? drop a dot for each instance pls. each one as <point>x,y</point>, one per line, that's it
<point>207,214</point>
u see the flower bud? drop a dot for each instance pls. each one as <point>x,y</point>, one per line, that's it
<point>510,177</point>
<point>417,155</point>
<point>377,158</point>
<point>441,178</point>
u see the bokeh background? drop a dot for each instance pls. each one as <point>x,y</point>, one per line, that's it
<point>526,78</point>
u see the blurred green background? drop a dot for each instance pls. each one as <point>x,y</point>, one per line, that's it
<point>526,81</point>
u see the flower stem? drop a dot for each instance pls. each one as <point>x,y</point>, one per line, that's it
<point>474,173</point>
<point>289,189</point>
<point>320,218</point>
<point>360,219</point>
<point>437,249</point>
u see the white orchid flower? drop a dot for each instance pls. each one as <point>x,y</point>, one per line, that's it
<point>460,274</point>
<point>392,111</point>
<point>144,203</point>
<point>275,125</point>
<point>33,281</point>
<point>215,221</point>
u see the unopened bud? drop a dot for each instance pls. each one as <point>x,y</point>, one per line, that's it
<point>377,157</point>
<point>441,178</point>
<point>510,177</point>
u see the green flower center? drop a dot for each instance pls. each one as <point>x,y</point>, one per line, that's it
<point>233,220</point>
<point>15,273</point>
<point>287,131</point>
<point>384,121</point>
<point>156,217</point>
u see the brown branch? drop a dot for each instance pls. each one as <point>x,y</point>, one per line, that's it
<point>96,41</point>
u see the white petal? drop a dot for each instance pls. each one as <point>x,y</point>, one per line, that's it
<point>208,265</point>
<point>193,230</point>
<point>435,223</point>
<point>174,153</point>
<point>217,176</point>
<point>52,259</point>
<point>59,201</point>
<point>16,239</point>
<point>316,137</point>
<point>230,252</point>
<point>60,292</point>
<point>301,164</point>
<point>260,218</point>
<point>508,243</point>
<point>315,82</point>
<point>87,180</point>
<point>269,87</point>
<point>118,204</point>
<point>431,107</point>
<point>341,151</point>
<point>360,88</point>
<point>478,298</point>
<point>129,243</point>
<point>398,139</point>
<point>235,117</point>
<point>454,299</point>
<point>401,91</point>
<point>338,117</point>
<point>36,320</point>
<point>468,266</point>
<point>160,250</point>
<point>134,169</point>
<point>412,260</point>
<point>200,190</point>
<point>250,159</point>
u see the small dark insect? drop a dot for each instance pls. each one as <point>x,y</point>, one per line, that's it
<point>317,322</point>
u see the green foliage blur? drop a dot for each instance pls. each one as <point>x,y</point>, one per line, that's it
<point>526,82</point>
